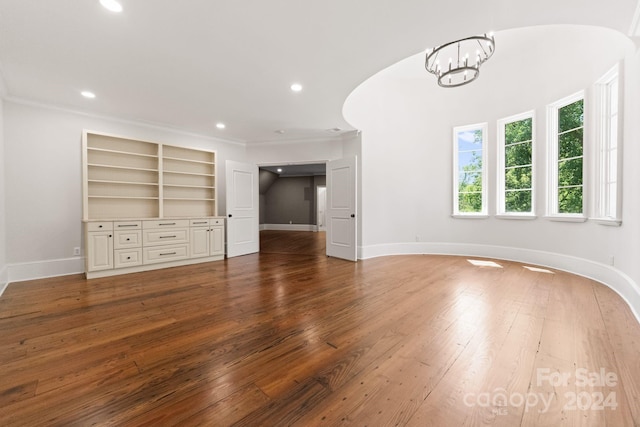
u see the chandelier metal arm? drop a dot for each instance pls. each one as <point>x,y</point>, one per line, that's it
<point>464,70</point>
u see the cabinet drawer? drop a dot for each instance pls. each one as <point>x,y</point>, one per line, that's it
<point>165,223</point>
<point>128,257</point>
<point>200,222</point>
<point>127,225</point>
<point>163,237</point>
<point>100,226</point>
<point>165,253</point>
<point>127,239</point>
<point>217,221</point>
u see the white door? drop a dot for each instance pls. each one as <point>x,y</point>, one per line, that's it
<point>243,236</point>
<point>341,212</point>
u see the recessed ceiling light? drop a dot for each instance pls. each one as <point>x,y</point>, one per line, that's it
<point>111,5</point>
<point>220,125</point>
<point>296,87</point>
<point>279,170</point>
<point>280,131</point>
<point>88,94</point>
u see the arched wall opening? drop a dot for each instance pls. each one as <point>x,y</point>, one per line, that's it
<point>407,120</point>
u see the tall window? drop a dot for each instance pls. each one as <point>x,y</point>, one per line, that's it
<point>515,165</point>
<point>566,120</point>
<point>469,177</point>
<point>607,143</point>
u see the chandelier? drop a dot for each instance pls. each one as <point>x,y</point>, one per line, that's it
<point>458,63</point>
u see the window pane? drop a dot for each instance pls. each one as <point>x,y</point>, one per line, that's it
<point>570,144</point>
<point>518,131</point>
<point>570,172</point>
<point>571,116</point>
<point>570,200</point>
<point>516,155</point>
<point>470,202</point>
<point>470,181</point>
<point>517,178</point>
<point>518,201</point>
<point>470,161</point>
<point>470,140</point>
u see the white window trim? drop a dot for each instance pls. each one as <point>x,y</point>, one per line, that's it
<point>502,214</point>
<point>485,136</point>
<point>552,157</point>
<point>602,137</point>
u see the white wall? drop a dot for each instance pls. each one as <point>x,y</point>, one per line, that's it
<point>43,182</point>
<point>3,256</point>
<point>294,152</point>
<point>407,120</point>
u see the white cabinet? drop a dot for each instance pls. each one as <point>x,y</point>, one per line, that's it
<point>199,241</point>
<point>147,205</point>
<point>207,237</point>
<point>127,246</point>
<point>99,238</point>
<point>216,237</point>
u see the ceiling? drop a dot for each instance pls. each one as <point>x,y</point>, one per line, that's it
<point>191,64</point>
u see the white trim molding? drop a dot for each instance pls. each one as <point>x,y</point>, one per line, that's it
<point>4,280</point>
<point>44,269</point>
<point>289,227</point>
<point>611,277</point>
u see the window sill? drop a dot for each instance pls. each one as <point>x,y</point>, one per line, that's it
<point>608,221</point>
<point>517,216</point>
<point>560,218</point>
<point>470,216</point>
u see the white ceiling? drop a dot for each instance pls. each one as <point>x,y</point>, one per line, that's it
<point>190,64</point>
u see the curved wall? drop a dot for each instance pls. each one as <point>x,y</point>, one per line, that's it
<point>407,120</point>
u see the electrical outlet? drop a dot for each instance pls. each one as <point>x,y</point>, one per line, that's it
<point>76,251</point>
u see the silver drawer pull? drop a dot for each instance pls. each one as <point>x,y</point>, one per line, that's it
<point>200,222</point>
<point>127,225</point>
<point>169,253</point>
<point>168,237</point>
<point>168,223</point>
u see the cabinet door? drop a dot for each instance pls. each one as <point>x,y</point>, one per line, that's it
<point>100,251</point>
<point>217,240</point>
<point>199,242</point>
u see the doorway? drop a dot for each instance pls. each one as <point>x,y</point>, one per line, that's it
<point>321,204</point>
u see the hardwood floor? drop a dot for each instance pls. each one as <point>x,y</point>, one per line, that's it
<point>290,337</point>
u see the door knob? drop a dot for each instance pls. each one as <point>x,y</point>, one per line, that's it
<point>353,215</point>
<point>230,215</point>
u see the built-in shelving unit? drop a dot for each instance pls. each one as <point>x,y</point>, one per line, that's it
<point>128,178</point>
<point>147,205</point>
<point>188,181</point>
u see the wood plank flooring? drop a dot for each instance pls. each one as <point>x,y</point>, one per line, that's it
<point>291,337</point>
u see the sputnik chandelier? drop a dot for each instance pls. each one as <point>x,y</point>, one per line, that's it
<point>458,63</point>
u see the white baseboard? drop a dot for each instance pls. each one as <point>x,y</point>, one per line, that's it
<point>289,227</point>
<point>44,269</point>
<point>612,277</point>
<point>4,280</point>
